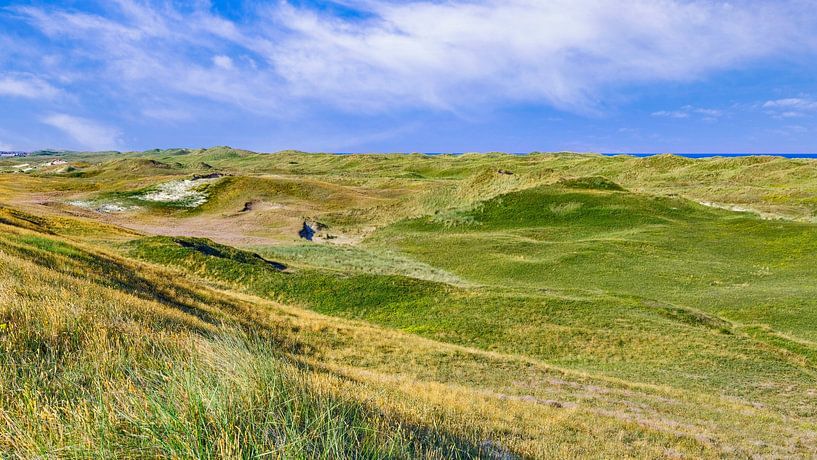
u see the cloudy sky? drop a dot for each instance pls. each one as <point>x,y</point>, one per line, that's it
<point>431,76</point>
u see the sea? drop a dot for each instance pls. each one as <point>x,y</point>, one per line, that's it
<point>812,156</point>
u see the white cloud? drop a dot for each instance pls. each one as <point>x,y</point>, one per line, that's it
<point>455,55</point>
<point>87,133</point>
<point>561,52</point>
<point>27,86</point>
<point>151,49</point>
<point>5,147</point>
<point>688,111</point>
<point>224,62</point>
<point>795,103</point>
<point>713,113</point>
<point>671,114</point>
<point>792,107</point>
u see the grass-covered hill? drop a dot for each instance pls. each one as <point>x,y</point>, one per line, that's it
<point>162,304</point>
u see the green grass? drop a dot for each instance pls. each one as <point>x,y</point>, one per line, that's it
<point>582,306</point>
<point>347,258</point>
<point>728,264</point>
<point>619,335</point>
<point>327,291</point>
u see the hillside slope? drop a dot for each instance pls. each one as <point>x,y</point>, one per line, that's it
<point>113,358</point>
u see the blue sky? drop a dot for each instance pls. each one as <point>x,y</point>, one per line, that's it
<point>430,76</point>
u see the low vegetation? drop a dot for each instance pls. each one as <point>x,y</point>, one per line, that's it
<point>494,306</point>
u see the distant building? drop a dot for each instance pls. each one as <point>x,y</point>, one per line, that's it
<point>13,154</point>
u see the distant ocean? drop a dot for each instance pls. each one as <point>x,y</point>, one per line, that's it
<point>710,155</point>
<point>812,156</point>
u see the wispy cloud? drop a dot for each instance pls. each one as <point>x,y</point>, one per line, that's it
<point>135,51</point>
<point>671,114</point>
<point>689,111</point>
<point>565,53</point>
<point>87,133</point>
<point>27,86</point>
<point>712,113</point>
<point>141,63</point>
<point>790,107</point>
<point>224,62</point>
<point>457,55</point>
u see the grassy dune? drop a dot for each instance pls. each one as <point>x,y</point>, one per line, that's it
<point>550,305</point>
<point>680,290</point>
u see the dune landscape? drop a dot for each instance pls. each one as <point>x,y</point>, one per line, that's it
<point>163,303</point>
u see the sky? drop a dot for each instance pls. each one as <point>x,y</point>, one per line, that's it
<point>410,76</point>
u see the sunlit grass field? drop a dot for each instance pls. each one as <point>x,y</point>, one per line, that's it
<point>494,306</point>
